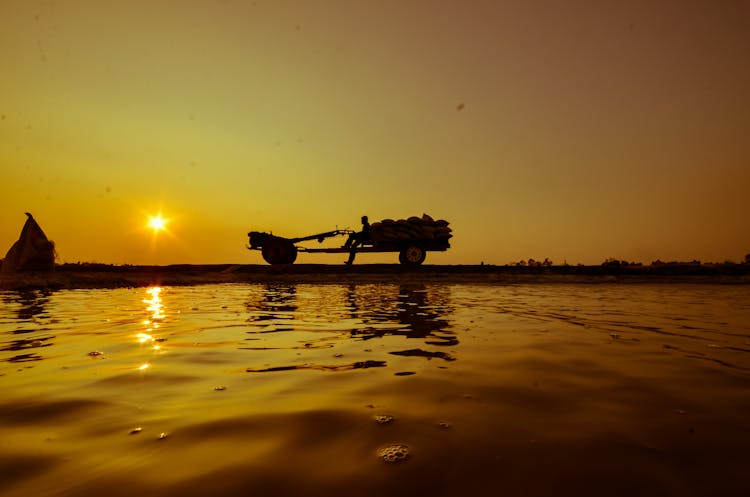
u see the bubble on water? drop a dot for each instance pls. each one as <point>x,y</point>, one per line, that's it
<point>135,431</point>
<point>338,355</point>
<point>444,425</point>
<point>162,436</point>
<point>394,453</point>
<point>95,353</point>
<point>36,343</point>
<point>384,418</point>
<point>220,388</point>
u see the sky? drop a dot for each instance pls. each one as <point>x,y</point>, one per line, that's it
<point>570,130</point>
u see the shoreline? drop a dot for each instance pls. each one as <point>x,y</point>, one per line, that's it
<point>91,275</point>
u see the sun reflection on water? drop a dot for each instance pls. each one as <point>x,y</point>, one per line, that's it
<point>155,305</point>
<point>156,310</point>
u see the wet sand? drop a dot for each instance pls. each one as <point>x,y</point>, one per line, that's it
<point>69,276</point>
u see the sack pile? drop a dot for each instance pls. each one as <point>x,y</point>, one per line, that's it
<point>414,228</point>
<point>31,252</point>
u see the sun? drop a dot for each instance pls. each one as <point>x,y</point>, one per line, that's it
<point>157,223</point>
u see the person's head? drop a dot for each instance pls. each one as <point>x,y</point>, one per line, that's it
<point>364,220</point>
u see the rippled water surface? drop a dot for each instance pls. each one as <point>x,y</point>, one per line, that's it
<point>376,390</point>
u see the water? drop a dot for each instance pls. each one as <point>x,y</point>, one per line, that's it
<point>374,389</point>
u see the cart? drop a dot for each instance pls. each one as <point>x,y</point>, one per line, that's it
<point>279,250</point>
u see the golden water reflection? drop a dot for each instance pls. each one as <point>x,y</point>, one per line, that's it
<point>353,320</point>
<point>156,312</point>
<point>154,304</point>
<point>260,380</point>
<point>31,335</point>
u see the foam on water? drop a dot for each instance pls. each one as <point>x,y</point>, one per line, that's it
<point>394,453</point>
<point>383,418</point>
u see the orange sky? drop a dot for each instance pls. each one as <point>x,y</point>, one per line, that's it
<point>576,130</point>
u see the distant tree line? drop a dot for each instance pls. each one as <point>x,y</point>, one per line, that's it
<point>613,262</point>
<point>533,263</point>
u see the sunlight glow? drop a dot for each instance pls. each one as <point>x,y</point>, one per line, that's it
<point>157,223</point>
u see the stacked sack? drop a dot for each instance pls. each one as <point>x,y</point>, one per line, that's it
<point>414,228</point>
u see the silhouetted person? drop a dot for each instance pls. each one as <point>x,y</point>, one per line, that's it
<point>357,239</point>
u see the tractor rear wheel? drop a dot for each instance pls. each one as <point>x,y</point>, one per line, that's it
<point>413,255</point>
<point>279,251</point>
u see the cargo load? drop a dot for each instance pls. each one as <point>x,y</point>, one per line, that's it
<point>413,228</point>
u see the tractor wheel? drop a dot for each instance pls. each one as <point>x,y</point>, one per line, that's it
<point>413,255</point>
<point>279,251</point>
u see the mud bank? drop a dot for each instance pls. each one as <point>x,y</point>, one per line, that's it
<point>112,276</point>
